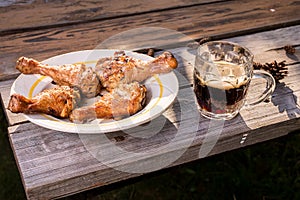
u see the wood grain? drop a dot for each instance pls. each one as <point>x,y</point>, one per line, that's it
<point>43,14</point>
<point>54,164</point>
<point>219,20</point>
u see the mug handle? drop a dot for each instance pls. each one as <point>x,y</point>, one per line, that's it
<point>270,86</point>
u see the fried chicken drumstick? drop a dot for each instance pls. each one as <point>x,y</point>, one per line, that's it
<point>73,75</point>
<point>109,72</point>
<point>58,101</point>
<point>125,100</point>
<point>122,69</point>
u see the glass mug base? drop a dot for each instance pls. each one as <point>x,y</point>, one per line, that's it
<point>226,116</point>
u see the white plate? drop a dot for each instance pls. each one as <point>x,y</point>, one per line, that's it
<point>162,90</point>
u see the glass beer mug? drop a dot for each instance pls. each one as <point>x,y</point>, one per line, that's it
<point>222,75</point>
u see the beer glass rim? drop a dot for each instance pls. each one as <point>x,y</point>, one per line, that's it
<point>229,43</point>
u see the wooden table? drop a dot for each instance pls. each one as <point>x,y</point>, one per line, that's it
<point>54,164</point>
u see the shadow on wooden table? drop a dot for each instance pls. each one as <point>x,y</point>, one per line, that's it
<point>287,102</point>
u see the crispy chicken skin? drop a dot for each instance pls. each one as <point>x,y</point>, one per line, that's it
<point>124,100</point>
<point>73,75</point>
<point>58,101</point>
<point>125,69</point>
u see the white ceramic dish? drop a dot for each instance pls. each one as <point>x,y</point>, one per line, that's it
<point>162,91</point>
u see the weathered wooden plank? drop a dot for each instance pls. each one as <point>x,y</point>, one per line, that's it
<point>219,19</point>
<point>55,164</point>
<point>48,154</point>
<point>254,136</point>
<point>262,48</point>
<point>45,156</point>
<point>39,14</point>
<point>268,46</point>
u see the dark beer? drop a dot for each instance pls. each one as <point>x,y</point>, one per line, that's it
<point>223,96</point>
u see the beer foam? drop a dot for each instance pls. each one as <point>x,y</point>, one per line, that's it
<point>220,85</point>
<point>226,85</point>
<point>229,69</point>
<point>228,76</point>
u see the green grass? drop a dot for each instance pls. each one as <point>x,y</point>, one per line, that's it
<point>266,171</point>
